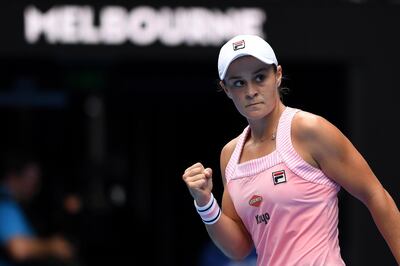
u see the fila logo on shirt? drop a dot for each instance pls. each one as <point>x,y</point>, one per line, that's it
<point>238,45</point>
<point>279,177</point>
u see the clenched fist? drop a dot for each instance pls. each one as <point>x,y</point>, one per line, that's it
<point>199,182</point>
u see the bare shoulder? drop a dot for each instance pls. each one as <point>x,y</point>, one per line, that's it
<point>226,154</point>
<point>314,137</point>
<point>228,149</point>
<point>308,126</point>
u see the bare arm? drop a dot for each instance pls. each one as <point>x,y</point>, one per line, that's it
<point>228,233</point>
<point>27,248</point>
<point>334,154</point>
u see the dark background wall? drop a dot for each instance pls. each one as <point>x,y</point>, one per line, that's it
<point>110,119</point>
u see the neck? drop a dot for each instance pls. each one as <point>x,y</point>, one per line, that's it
<point>265,128</point>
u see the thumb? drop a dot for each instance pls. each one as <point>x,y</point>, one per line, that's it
<point>208,172</point>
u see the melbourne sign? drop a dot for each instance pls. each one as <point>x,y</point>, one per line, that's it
<point>141,25</point>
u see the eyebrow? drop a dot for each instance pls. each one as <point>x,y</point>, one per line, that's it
<point>255,72</point>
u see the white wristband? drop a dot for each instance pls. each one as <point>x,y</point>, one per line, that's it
<point>209,213</point>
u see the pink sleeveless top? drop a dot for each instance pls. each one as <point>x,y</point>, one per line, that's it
<point>289,207</point>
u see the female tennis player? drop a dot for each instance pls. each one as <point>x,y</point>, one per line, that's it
<point>281,175</point>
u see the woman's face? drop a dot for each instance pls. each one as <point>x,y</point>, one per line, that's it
<point>253,86</point>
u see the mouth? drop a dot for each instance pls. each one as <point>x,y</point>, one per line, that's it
<point>252,104</point>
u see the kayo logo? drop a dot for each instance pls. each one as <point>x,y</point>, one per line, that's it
<point>255,201</point>
<point>263,218</point>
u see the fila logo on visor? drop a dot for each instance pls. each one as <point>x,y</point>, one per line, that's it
<point>279,177</point>
<point>238,45</point>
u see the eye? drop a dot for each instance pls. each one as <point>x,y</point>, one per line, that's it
<point>260,78</point>
<point>238,83</point>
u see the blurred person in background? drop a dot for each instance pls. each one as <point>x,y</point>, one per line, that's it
<point>281,175</point>
<point>19,244</point>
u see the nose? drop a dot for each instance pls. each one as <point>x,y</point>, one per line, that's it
<point>251,91</point>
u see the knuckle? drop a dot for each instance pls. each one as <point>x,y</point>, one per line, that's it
<point>190,173</point>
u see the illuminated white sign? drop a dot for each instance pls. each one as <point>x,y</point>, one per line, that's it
<point>142,25</point>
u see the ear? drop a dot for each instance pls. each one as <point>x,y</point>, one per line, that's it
<point>223,86</point>
<point>279,75</point>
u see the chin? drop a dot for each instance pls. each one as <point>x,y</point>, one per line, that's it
<point>255,116</point>
<point>256,113</point>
